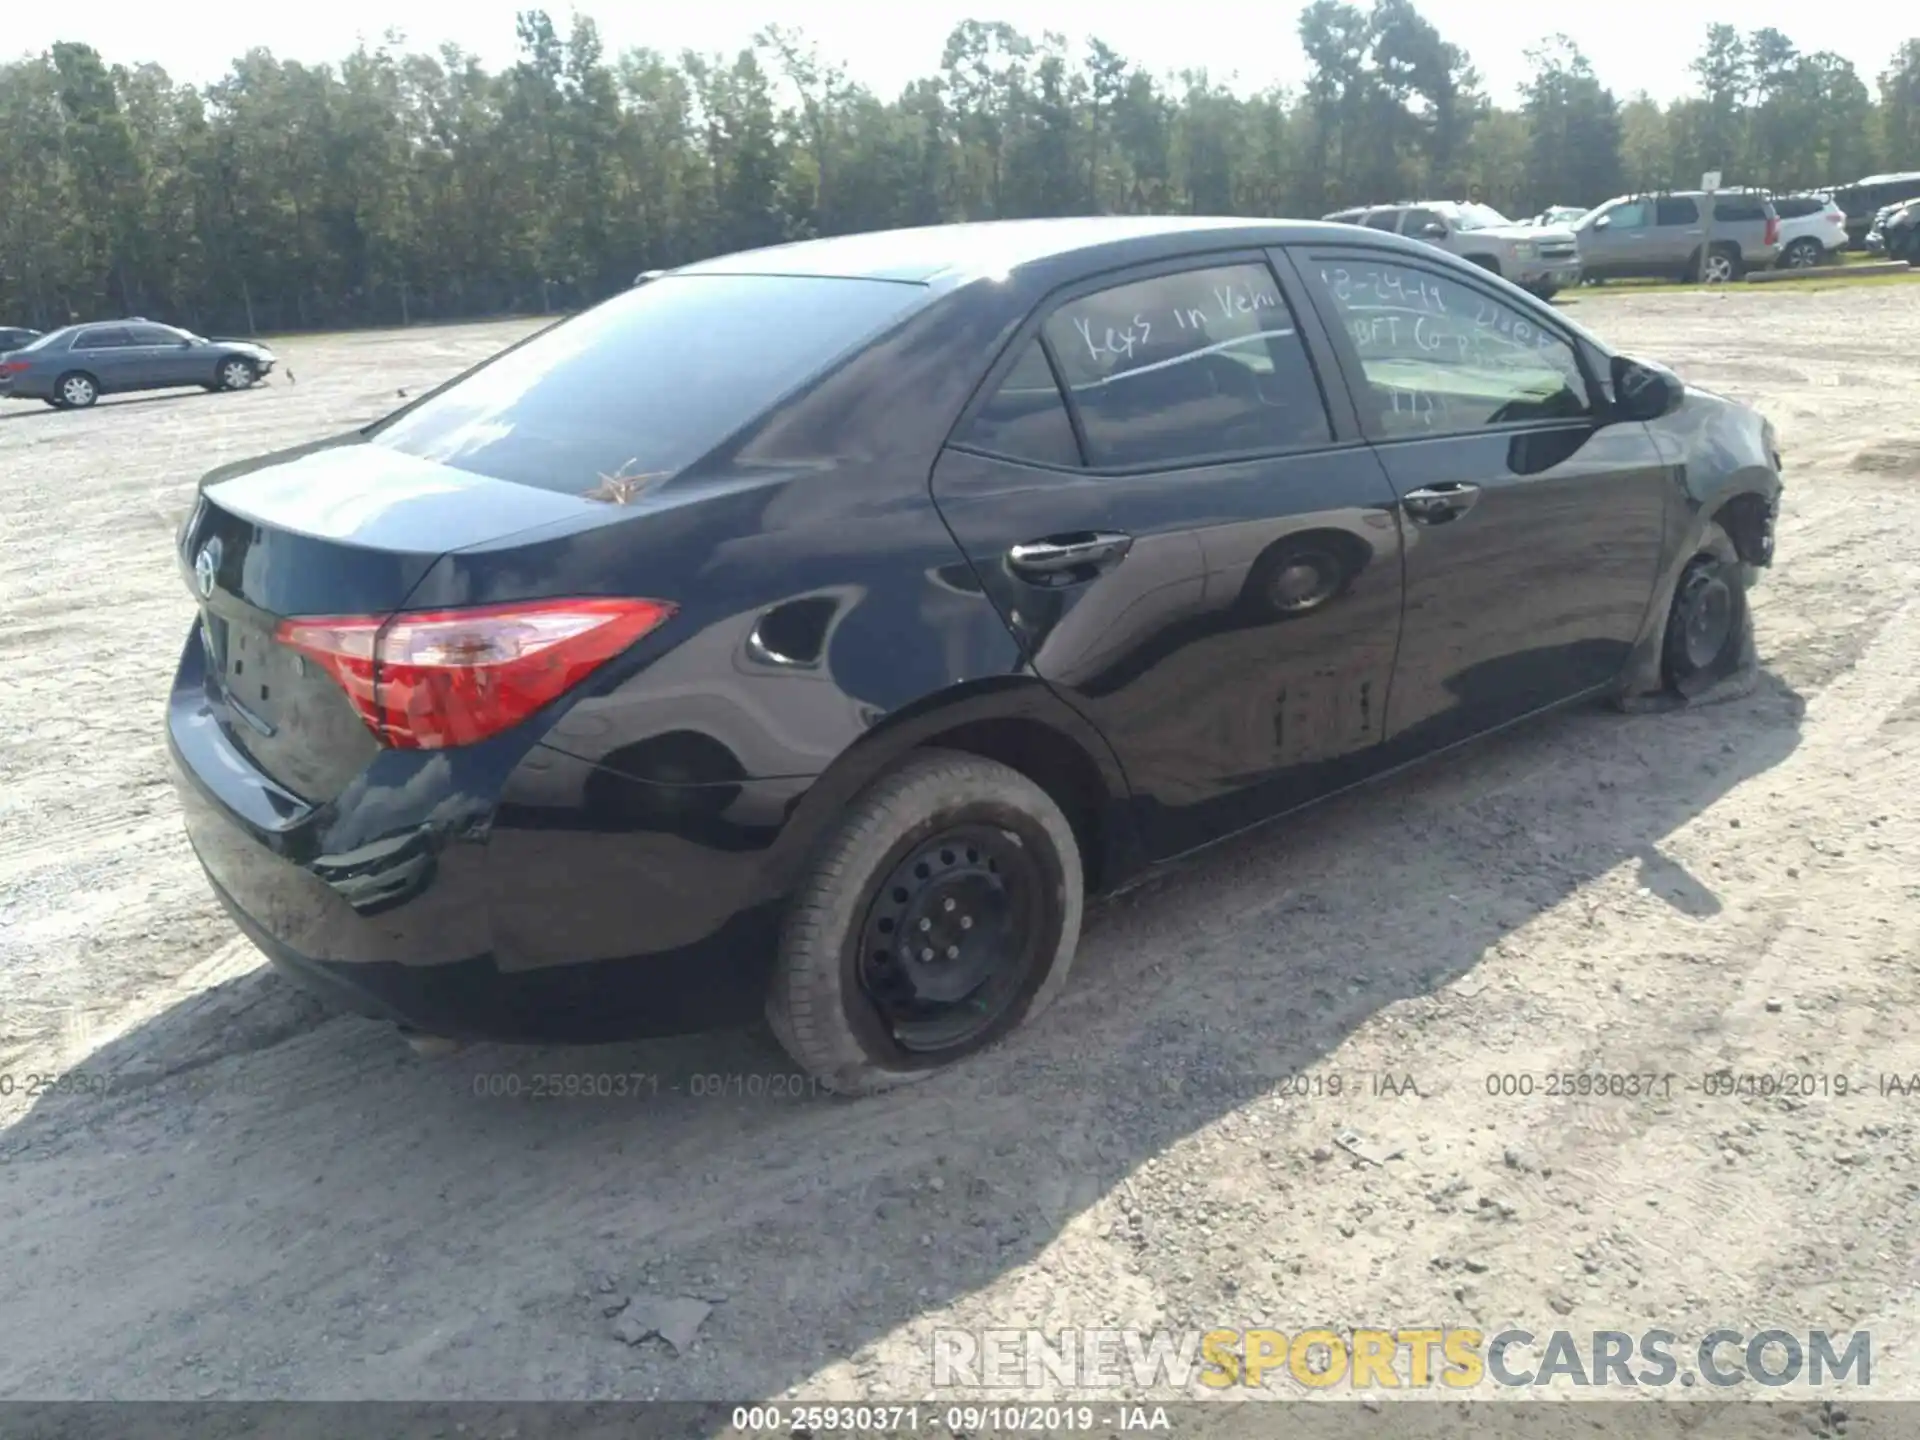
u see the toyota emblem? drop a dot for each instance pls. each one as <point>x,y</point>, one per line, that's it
<point>206,566</point>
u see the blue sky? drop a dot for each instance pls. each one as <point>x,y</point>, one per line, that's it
<point>1634,44</point>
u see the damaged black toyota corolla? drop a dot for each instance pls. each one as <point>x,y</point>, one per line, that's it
<point>807,631</point>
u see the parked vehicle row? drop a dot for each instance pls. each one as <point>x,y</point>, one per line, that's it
<point>1894,232</point>
<point>1867,202</point>
<point>1653,236</point>
<point>975,569</point>
<point>1541,258</point>
<point>72,367</point>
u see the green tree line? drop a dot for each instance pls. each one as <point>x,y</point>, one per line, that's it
<point>399,185</point>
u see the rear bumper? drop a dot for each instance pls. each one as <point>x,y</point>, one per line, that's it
<point>505,891</point>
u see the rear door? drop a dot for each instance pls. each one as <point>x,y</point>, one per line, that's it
<point>1534,528</point>
<point>104,352</point>
<point>1192,548</point>
<point>1677,233</point>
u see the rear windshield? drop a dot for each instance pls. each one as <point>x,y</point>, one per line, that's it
<point>648,382</point>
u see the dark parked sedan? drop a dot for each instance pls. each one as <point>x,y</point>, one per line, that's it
<point>72,368</point>
<point>809,631</point>
<point>12,337</point>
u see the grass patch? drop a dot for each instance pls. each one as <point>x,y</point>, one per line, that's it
<point>1796,287</point>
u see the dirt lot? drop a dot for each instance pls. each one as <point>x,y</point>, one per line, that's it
<point>273,1201</point>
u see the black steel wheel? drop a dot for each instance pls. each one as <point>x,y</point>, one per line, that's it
<point>951,935</point>
<point>1707,634</point>
<point>942,912</point>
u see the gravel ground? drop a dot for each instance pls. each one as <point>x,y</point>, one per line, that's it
<point>273,1201</point>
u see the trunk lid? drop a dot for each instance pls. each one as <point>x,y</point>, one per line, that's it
<point>342,529</point>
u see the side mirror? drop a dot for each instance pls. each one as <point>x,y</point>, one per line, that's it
<point>1603,222</point>
<point>1643,390</point>
<point>1434,230</point>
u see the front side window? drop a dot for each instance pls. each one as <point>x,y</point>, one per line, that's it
<point>155,335</point>
<point>643,385</point>
<point>1441,356</point>
<point>1185,367</point>
<point>1383,220</point>
<point>1419,220</point>
<point>1676,210</point>
<point>1026,419</point>
<point>103,340</point>
<point>1627,215</point>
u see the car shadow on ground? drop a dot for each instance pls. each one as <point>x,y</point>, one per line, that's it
<point>40,410</point>
<point>276,1173</point>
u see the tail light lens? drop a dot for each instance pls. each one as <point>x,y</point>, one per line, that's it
<point>14,367</point>
<point>432,679</point>
<point>1773,230</point>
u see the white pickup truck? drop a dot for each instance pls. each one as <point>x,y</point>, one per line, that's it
<point>1543,259</point>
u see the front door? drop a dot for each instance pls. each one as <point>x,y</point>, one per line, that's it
<point>1535,525</point>
<point>1622,246</point>
<point>165,360</point>
<point>1191,548</point>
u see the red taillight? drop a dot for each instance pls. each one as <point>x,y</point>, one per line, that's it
<point>430,679</point>
<point>14,367</point>
<point>1773,230</point>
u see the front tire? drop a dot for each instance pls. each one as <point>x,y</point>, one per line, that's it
<point>1709,626</point>
<point>76,390</point>
<point>236,374</point>
<point>943,912</point>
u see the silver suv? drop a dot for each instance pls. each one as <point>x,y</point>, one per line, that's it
<point>1542,258</point>
<point>1661,236</point>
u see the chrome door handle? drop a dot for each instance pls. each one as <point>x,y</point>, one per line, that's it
<point>1437,504</point>
<point>1060,554</point>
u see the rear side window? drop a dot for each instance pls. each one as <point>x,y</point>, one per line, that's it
<point>1184,367</point>
<point>647,383</point>
<point>1026,419</point>
<point>1675,210</point>
<point>1735,212</point>
<point>103,340</point>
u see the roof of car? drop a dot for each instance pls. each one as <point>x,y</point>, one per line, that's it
<point>936,252</point>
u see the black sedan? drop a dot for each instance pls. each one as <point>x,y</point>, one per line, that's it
<point>72,368</point>
<point>807,632</point>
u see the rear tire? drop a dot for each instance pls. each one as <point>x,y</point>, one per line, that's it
<point>1709,627</point>
<point>923,850</point>
<point>1802,254</point>
<point>1722,266</point>
<point>76,390</point>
